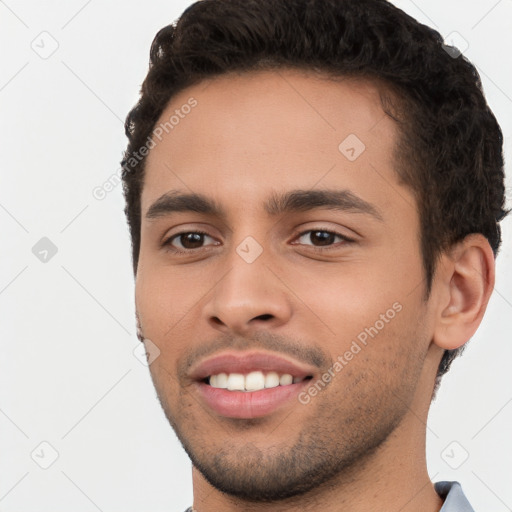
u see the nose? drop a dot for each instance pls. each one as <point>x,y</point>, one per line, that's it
<point>248,296</point>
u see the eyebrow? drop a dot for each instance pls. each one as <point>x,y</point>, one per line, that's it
<point>277,204</point>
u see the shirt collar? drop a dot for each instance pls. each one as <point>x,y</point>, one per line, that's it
<point>454,498</point>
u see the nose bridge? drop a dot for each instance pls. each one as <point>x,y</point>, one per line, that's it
<point>248,291</point>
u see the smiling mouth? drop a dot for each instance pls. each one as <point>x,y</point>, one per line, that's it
<point>252,381</point>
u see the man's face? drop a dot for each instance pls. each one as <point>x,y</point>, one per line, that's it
<point>331,294</point>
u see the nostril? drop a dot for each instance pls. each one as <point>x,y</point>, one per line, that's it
<point>264,317</point>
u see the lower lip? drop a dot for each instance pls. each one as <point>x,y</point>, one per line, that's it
<point>249,404</point>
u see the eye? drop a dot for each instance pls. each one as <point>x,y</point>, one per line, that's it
<point>187,240</point>
<point>323,237</point>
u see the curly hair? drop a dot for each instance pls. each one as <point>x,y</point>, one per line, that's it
<point>449,150</point>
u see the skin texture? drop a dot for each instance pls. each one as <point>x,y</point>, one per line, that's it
<point>359,444</point>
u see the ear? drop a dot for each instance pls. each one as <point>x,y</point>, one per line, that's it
<point>140,335</point>
<point>464,285</point>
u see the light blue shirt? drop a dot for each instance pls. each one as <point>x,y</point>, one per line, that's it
<point>454,499</point>
<point>450,492</point>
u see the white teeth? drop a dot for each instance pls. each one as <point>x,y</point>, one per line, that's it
<point>253,381</point>
<point>222,380</point>
<point>219,381</point>
<point>271,380</point>
<point>236,382</point>
<point>285,379</point>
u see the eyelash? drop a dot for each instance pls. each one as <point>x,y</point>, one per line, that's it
<point>169,247</point>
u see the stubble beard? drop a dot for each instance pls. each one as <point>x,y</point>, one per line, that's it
<point>331,448</point>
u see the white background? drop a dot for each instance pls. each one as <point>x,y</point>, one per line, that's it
<point>68,375</point>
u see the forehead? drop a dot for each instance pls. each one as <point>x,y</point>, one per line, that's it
<point>286,129</point>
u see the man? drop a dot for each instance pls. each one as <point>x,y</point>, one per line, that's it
<point>314,190</point>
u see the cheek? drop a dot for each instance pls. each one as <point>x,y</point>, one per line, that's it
<point>365,304</point>
<point>156,304</point>
<point>169,301</point>
<point>149,292</point>
<point>159,308</point>
<point>165,295</point>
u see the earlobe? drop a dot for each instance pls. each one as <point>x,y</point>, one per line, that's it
<point>465,284</point>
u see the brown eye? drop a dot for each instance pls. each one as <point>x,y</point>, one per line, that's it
<point>186,241</point>
<point>322,238</point>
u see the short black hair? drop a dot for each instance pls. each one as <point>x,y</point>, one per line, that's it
<point>450,149</point>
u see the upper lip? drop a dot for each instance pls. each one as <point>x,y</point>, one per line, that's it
<point>246,362</point>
